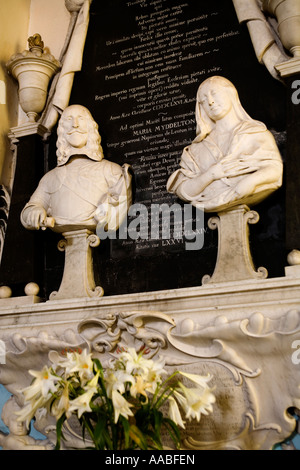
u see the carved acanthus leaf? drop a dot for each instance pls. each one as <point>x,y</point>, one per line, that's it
<point>126,328</point>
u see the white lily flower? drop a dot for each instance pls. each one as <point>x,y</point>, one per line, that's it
<point>57,360</point>
<point>81,363</point>
<point>200,380</point>
<point>121,406</point>
<point>44,383</point>
<point>135,363</point>
<point>174,413</point>
<point>195,401</point>
<point>139,387</point>
<point>27,413</point>
<point>66,362</point>
<point>61,404</point>
<point>74,386</point>
<point>117,380</point>
<point>81,404</point>
<point>154,375</point>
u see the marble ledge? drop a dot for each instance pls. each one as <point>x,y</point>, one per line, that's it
<point>273,297</point>
<point>288,68</point>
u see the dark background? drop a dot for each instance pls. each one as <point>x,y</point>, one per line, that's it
<point>121,271</point>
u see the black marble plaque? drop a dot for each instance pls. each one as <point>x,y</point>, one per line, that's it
<point>143,63</point>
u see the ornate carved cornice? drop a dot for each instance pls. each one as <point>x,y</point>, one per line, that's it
<point>252,357</point>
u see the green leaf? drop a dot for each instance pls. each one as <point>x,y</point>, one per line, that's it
<point>155,420</point>
<point>87,424</point>
<point>173,431</point>
<point>126,428</point>
<point>158,418</point>
<point>101,436</point>
<point>154,440</point>
<point>138,437</point>
<point>59,433</point>
<point>98,364</point>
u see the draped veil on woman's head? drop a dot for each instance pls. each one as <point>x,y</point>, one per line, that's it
<point>204,123</point>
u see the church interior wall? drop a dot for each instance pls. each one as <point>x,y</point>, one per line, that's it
<point>20,19</point>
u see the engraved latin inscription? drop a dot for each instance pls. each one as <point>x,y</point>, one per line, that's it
<point>148,62</point>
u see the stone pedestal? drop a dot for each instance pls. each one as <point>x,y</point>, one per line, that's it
<point>78,277</point>
<point>288,68</point>
<point>234,261</point>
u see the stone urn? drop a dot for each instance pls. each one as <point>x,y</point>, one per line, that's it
<point>287,13</point>
<point>33,69</point>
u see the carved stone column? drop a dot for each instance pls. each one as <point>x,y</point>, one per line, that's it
<point>234,261</point>
<point>78,276</point>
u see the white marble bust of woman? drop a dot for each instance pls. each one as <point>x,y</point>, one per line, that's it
<point>233,160</point>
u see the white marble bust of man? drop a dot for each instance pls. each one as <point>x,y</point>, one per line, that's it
<point>84,190</point>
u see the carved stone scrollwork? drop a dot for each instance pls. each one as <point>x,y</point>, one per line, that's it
<point>24,353</point>
<point>252,359</point>
<point>62,244</point>
<point>126,329</point>
<point>255,352</point>
<point>93,240</point>
<point>102,336</point>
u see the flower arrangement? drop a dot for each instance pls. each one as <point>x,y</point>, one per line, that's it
<point>119,407</point>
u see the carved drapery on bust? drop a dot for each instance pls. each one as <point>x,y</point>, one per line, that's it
<point>84,190</point>
<point>83,193</point>
<point>233,159</point>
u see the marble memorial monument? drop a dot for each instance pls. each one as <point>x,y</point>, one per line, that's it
<point>232,164</point>
<point>242,328</point>
<point>82,193</point>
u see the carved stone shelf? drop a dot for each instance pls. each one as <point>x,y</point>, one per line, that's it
<point>243,333</point>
